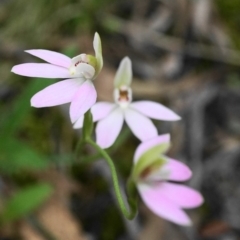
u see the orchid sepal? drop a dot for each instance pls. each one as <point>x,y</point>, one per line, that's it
<point>97,45</point>
<point>123,77</point>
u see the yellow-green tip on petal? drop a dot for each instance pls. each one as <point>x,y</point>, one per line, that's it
<point>123,76</point>
<point>92,61</point>
<point>98,53</point>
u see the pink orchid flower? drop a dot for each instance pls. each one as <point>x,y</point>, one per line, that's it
<point>77,89</point>
<point>152,170</point>
<point>136,114</point>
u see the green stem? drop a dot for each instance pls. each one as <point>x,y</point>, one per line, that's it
<point>129,212</point>
<point>79,146</point>
<point>90,159</point>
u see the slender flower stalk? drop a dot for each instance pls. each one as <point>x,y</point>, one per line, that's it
<point>111,116</point>
<point>129,207</point>
<point>77,89</point>
<point>152,171</point>
<point>129,211</point>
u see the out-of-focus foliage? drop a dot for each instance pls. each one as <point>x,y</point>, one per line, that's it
<point>34,22</point>
<point>229,10</point>
<point>13,119</point>
<point>25,201</point>
<point>22,158</point>
<point>15,154</point>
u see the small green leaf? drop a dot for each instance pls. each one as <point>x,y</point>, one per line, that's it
<point>151,157</point>
<point>25,201</point>
<point>12,121</point>
<point>18,156</point>
<point>87,125</point>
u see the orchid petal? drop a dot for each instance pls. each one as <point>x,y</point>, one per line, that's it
<point>144,146</point>
<point>155,110</point>
<point>42,70</point>
<point>178,170</point>
<point>162,206</point>
<point>83,100</point>
<point>183,196</point>
<point>56,94</point>
<point>123,76</point>
<point>99,111</point>
<point>172,170</point>
<point>79,123</point>
<point>141,126</point>
<point>109,128</point>
<point>51,57</point>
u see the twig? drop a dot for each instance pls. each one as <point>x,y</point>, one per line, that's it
<point>143,34</point>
